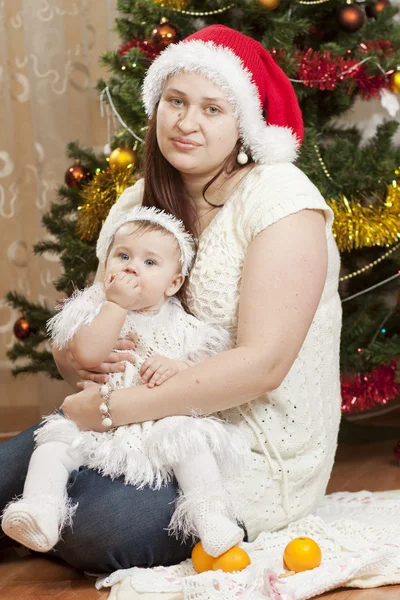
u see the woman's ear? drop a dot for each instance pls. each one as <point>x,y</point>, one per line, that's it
<point>176,285</point>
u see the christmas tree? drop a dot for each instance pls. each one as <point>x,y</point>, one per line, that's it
<point>334,53</point>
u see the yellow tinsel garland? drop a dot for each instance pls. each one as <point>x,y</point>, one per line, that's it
<point>176,4</point>
<point>356,226</point>
<point>99,196</point>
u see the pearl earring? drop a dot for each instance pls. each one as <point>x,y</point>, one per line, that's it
<point>242,157</point>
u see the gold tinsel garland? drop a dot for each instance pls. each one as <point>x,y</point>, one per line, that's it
<point>175,4</point>
<point>99,196</point>
<point>356,226</point>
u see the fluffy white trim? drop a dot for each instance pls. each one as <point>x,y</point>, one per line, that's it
<point>182,524</point>
<point>268,144</point>
<point>103,454</point>
<point>206,340</point>
<point>56,428</point>
<point>172,439</point>
<point>80,309</point>
<point>152,215</point>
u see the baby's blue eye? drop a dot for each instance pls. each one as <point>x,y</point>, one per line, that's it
<point>123,256</point>
<point>150,262</point>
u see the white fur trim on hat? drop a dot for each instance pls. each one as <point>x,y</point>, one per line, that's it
<point>151,215</point>
<point>268,144</point>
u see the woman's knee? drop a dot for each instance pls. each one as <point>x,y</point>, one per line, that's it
<point>117,526</point>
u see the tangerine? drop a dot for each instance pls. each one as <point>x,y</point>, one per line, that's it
<point>302,554</point>
<point>235,559</point>
<point>200,559</point>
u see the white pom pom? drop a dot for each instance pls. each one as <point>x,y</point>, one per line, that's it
<point>103,409</point>
<point>107,422</point>
<point>242,158</point>
<point>104,389</point>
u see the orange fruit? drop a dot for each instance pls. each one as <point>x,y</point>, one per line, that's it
<point>302,554</point>
<point>235,559</point>
<point>201,560</point>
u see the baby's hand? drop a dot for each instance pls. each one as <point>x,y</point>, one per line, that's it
<point>157,369</point>
<point>122,289</point>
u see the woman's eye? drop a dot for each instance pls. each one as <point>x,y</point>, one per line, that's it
<point>149,262</point>
<point>213,110</point>
<point>176,101</point>
<point>123,256</point>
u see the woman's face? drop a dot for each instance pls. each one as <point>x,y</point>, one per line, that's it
<point>196,127</point>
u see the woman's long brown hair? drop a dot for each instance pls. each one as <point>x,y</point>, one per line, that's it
<point>164,188</point>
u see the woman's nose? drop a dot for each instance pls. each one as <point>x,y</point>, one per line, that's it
<point>189,121</point>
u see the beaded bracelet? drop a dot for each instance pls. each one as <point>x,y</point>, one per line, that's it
<point>104,408</point>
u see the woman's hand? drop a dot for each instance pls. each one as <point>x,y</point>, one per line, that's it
<point>72,372</point>
<point>83,407</point>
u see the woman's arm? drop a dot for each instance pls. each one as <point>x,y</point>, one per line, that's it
<point>278,300</point>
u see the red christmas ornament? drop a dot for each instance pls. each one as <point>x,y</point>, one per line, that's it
<point>364,391</point>
<point>164,34</point>
<point>143,45</point>
<point>397,451</point>
<point>22,328</point>
<point>77,175</point>
<point>373,10</point>
<point>351,17</point>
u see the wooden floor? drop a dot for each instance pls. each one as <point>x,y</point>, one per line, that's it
<point>366,466</point>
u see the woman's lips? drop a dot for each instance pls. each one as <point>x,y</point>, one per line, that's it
<point>183,144</point>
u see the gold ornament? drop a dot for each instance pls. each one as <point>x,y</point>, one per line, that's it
<point>395,82</point>
<point>174,4</point>
<point>99,196</point>
<point>269,4</point>
<point>357,226</point>
<point>121,158</point>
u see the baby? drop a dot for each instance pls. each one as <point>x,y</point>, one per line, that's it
<point>147,256</point>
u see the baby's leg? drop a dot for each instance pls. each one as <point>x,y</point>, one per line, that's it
<point>36,520</point>
<point>204,504</point>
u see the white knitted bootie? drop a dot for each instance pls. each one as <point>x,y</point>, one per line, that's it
<point>217,533</point>
<point>208,516</point>
<point>36,524</point>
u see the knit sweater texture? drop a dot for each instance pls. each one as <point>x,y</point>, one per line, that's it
<point>292,429</point>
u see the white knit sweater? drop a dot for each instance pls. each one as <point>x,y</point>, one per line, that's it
<point>293,430</point>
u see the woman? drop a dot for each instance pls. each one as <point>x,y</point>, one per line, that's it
<point>267,268</point>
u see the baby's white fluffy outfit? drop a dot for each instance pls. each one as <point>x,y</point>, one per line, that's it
<point>153,452</point>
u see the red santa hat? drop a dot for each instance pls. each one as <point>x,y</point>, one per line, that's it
<point>268,112</point>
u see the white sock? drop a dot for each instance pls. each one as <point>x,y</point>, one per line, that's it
<point>204,507</point>
<point>36,520</point>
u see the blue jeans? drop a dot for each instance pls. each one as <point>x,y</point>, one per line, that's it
<point>116,526</point>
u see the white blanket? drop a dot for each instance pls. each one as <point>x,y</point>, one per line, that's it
<point>359,534</point>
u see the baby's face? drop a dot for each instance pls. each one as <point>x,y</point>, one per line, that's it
<point>150,256</point>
